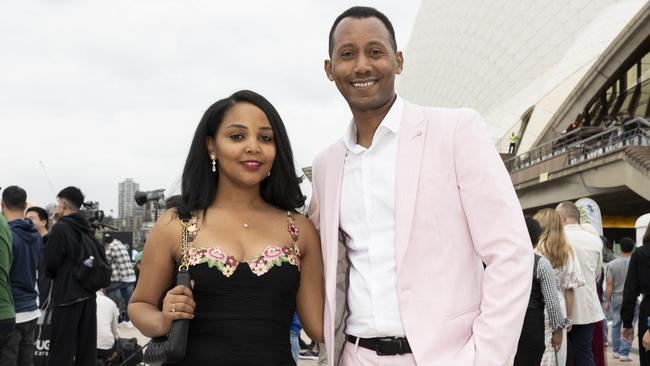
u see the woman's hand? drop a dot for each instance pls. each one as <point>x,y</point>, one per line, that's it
<point>646,340</point>
<point>177,304</point>
<point>556,339</point>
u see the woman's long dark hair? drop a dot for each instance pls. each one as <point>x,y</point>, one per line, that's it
<point>199,184</point>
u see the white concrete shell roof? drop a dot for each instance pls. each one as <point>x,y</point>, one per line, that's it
<point>503,57</point>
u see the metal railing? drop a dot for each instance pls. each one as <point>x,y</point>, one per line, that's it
<point>579,148</point>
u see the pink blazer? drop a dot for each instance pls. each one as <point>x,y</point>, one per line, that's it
<point>455,208</point>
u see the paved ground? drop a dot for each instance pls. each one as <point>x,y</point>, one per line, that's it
<point>126,332</point>
<point>635,356</point>
<point>132,332</point>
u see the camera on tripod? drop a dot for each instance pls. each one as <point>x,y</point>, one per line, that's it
<point>90,211</point>
<point>156,197</point>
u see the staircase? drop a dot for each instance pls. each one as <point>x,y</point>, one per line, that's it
<point>639,156</point>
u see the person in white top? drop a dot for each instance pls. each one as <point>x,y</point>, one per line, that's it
<point>587,311</point>
<point>107,315</point>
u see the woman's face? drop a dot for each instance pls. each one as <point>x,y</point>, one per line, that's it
<point>244,145</point>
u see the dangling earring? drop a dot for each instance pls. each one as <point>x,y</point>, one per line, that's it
<point>214,163</point>
<point>268,175</point>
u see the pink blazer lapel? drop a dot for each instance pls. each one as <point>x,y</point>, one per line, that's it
<point>412,137</point>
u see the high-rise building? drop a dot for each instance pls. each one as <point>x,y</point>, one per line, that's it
<point>126,193</point>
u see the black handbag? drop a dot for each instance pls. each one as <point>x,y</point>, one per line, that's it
<point>170,349</point>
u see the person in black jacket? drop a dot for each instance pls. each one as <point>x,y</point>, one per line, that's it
<point>74,323</point>
<point>638,282</point>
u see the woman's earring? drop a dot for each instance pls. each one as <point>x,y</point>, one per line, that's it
<point>268,175</point>
<point>214,163</point>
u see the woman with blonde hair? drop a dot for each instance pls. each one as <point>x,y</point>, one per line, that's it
<point>554,246</point>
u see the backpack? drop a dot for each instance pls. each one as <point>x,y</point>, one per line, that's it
<point>92,274</point>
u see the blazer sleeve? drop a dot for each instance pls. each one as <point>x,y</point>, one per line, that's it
<point>499,235</point>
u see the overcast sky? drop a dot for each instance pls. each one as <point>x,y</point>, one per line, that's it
<point>92,92</point>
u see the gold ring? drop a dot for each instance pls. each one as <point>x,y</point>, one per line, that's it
<point>173,307</point>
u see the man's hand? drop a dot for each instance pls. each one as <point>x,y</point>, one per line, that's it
<point>628,334</point>
<point>606,306</point>
<point>646,340</point>
<point>556,339</point>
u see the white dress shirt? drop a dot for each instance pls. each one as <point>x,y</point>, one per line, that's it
<point>367,218</point>
<point>107,315</point>
<point>588,248</point>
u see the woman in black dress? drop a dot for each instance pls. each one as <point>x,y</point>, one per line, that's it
<point>253,259</point>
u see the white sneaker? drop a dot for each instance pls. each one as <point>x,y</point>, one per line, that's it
<point>625,359</point>
<point>126,324</point>
<point>615,356</point>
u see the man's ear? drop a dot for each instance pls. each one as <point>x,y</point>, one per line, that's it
<point>399,57</point>
<point>328,69</point>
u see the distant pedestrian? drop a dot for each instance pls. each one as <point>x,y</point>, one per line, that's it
<point>40,219</point>
<point>7,312</point>
<point>638,282</point>
<point>74,317</point>
<point>107,334</point>
<point>27,250</point>
<point>554,246</point>
<point>543,298</point>
<point>123,275</point>
<point>513,144</point>
<point>615,282</point>
<point>587,310</point>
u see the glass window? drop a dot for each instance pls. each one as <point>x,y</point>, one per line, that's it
<point>644,99</point>
<point>645,68</point>
<point>628,99</point>
<point>632,77</point>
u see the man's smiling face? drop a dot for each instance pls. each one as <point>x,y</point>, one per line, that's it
<point>363,63</point>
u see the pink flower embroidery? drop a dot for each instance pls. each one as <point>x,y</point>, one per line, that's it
<point>272,252</point>
<point>293,230</point>
<point>216,254</point>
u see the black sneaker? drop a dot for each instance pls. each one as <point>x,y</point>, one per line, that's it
<point>309,354</point>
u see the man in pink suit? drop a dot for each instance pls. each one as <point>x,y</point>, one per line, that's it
<point>410,204</point>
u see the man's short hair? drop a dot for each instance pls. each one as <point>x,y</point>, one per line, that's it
<point>569,210</point>
<point>14,198</point>
<point>363,12</point>
<point>73,196</point>
<point>627,245</point>
<point>41,212</point>
<point>534,230</point>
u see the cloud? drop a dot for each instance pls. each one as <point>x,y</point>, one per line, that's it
<point>100,91</point>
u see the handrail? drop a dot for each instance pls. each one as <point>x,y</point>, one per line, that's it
<point>572,141</point>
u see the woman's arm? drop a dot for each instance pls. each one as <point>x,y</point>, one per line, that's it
<point>568,295</point>
<point>156,271</point>
<point>546,276</point>
<point>310,297</point>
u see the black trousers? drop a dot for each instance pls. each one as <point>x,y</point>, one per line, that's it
<point>74,334</point>
<point>644,312</point>
<point>530,348</point>
<point>19,348</point>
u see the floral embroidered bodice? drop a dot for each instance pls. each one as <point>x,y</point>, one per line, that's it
<point>243,307</point>
<point>271,255</point>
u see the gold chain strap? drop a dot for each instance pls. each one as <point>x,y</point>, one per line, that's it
<point>189,229</point>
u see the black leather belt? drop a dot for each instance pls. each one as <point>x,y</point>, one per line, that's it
<point>384,346</point>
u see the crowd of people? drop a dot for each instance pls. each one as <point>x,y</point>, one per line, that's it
<point>414,250</point>
<point>58,273</point>
<point>591,289</point>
